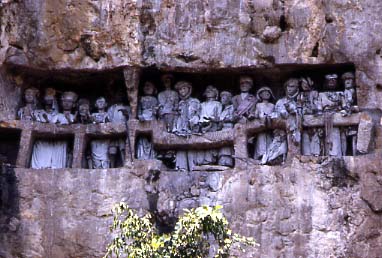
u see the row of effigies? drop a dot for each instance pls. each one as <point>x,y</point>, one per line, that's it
<point>63,114</point>
<point>185,115</point>
<point>53,153</point>
<point>302,100</point>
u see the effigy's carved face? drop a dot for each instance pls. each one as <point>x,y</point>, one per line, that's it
<point>292,88</point>
<point>210,93</point>
<point>149,89</point>
<point>83,110</point>
<point>331,83</point>
<point>349,83</point>
<point>265,95</point>
<point>101,103</point>
<point>305,86</point>
<point>30,96</point>
<point>67,103</point>
<point>225,99</point>
<point>184,91</point>
<point>166,80</point>
<point>245,84</point>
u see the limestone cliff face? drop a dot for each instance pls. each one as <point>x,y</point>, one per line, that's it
<point>58,34</point>
<point>307,208</point>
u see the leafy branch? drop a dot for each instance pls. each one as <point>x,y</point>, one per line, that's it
<point>198,233</point>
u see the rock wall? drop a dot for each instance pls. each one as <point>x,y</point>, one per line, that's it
<point>316,207</point>
<point>310,207</point>
<point>212,34</point>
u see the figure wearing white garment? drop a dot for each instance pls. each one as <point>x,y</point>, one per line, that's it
<point>263,110</point>
<point>30,99</point>
<point>100,147</point>
<point>168,102</point>
<point>186,123</point>
<point>209,120</point>
<point>226,122</point>
<point>118,113</point>
<point>49,153</point>
<point>147,109</point>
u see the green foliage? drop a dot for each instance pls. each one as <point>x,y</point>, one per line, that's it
<point>193,235</point>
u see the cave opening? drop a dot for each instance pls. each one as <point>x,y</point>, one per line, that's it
<point>9,145</point>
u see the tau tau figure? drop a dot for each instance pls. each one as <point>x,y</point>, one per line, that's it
<point>101,116</point>
<point>68,101</point>
<point>227,115</point>
<point>147,106</point>
<point>244,103</point>
<point>349,106</point>
<point>209,120</point>
<point>349,97</point>
<point>287,108</point>
<point>50,153</point>
<point>168,102</point>
<point>308,102</point>
<point>99,148</point>
<point>145,149</point>
<point>226,122</point>
<point>263,110</point>
<point>330,103</point>
<point>118,113</point>
<point>30,99</point>
<point>277,150</point>
<point>50,111</point>
<point>210,110</point>
<point>99,157</point>
<point>189,110</point>
<point>186,124</point>
<point>146,112</point>
<point>84,116</point>
<point>308,97</point>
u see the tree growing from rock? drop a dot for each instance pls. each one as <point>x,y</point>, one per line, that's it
<point>200,232</point>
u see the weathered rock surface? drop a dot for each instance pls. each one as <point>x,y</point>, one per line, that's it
<point>51,34</point>
<point>311,208</point>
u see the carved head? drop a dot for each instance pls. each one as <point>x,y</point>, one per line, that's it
<point>291,87</point>
<point>331,81</point>
<point>30,95</point>
<point>211,92</point>
<point>100,103</point>
<point>50,99</point>
<point>149,89</point>
<point>167,80</point>
<point>68,100</point>
<point>184,89</point>
<point>265,93</point>
<point>83,107</point>
<point>225,97</point>
<point>246,83</point>
<point>348,80</point>
<point>306,84</point>
<point>279,135</point>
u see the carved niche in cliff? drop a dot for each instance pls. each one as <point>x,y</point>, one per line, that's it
<point>197,121</point>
